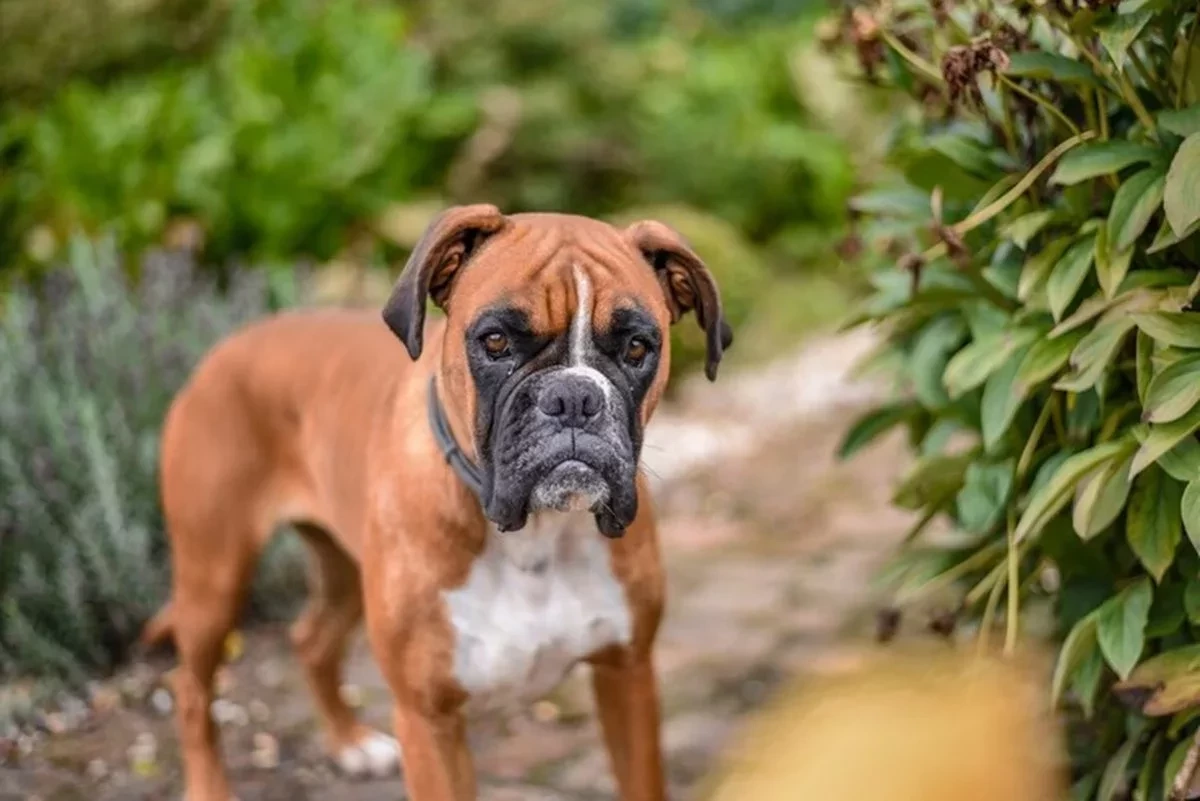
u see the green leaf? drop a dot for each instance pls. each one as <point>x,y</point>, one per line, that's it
<point>972,365</point>
<point>932,481</point>
<point>1166,237</point>
<point>1175,762</point>
<point>1119,35</point>
<point>1191,600</point>
<point>1112,781</point>
<point>1067,276</point>
<point>1174,391</point>
<point>1182,198</point>
<point>1100,497</point>
<point>1189,509</point>
<point>1045,359</point>
<point>1094,354</point>
<point>1080,643</point>
<point>1002,396</point>
<point>1093,159</point>
<point>1164,437</point>
<point>1182,122</point>
<point>1144,364</point>
<point>1027,226</point>
<point>984,495</point>
<point>1134,204</point>
<point>900,201</point>
<point>1050,498</point>
<point>1087,682</point>
<point>1121,626</point>
<point>1111,265</point>
<point>1182,462</point>
<point>873,425</point>
<point>1152,524</point>
<point>1151,767</point>
<point>930,354</point>
<point>1177,329</point>
<point>1044,66</point>
<point>1038,266</point>
<point>965,152</point>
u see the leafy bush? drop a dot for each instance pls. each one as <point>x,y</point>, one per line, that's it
<point>310,120</point>
<point>1037,294</point>
<point>88,366</point>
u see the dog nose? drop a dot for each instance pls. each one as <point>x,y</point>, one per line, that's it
<point>572,400</point>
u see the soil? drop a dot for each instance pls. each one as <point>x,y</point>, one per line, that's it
<point>770,542</point>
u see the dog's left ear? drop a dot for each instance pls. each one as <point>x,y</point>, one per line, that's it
<point>439,256</point>
<point>687,284</point>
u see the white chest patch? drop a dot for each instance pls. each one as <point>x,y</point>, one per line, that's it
<point>536,602</point>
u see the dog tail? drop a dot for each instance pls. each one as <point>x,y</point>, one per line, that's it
<point>158,629</point>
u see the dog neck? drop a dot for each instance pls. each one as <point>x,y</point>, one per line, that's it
<point>467,471</point>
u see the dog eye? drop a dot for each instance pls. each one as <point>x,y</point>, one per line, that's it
<point>636,351</point>
<point>496,345</point>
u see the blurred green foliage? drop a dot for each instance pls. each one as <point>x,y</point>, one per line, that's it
<point>290,131</point>
<point>83,562</point>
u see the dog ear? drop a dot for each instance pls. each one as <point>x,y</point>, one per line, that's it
<point>687,284</point>
<point>441,253</point>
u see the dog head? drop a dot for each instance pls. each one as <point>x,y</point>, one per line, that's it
<point>555,349</point>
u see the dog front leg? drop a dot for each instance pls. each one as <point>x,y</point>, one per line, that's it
<point>627,700</point>
<point>437,763</point>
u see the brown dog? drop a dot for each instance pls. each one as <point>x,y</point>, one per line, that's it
<point>458,498</point>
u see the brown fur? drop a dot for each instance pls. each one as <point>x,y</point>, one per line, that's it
<point>317,419</point>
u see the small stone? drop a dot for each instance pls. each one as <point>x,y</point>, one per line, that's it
<point>161,701</point>
<point>55,723</point>
<point>352,694</point>
<point>143,755</point>
<point>266,752</point>
<point>269,674</point>
<point>259,711</point>
<point>227,713</point>
<point>546,712</point>
<point>97,770</point>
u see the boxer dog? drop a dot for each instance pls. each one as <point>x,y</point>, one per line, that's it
<point>478,500</point>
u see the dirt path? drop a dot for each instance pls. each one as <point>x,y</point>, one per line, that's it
<point>769,543</point>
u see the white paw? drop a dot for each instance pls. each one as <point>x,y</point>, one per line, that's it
<point>375,754</point>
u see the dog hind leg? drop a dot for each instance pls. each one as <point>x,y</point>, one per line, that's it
<point>320,636</point>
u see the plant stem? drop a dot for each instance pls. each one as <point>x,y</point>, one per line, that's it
<point>1060,429</point>
<point>1009,124</point>
<point>1181,90</point>
<point>989,614</point>
<point>1031,446</point>
<point>1147,77</point>
<point>1131,96</point>
<point>921,65</point>
<point>982,216</point>
<point>1014,589</point>
<point>1041,101</point>
<point>1102,112</point>
<point>948,577</point>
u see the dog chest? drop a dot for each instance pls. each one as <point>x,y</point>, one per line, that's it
<point>535,603</point>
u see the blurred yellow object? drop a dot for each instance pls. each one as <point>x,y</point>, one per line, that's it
<point>911,726</point>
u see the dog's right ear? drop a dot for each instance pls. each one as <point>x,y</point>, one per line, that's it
<point>435,262</point>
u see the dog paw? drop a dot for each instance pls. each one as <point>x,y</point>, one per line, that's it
<point>375,754</point>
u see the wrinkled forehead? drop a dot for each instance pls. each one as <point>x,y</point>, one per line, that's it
<point>555,269</point>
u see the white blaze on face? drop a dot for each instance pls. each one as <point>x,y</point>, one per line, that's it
<point>581,335</point>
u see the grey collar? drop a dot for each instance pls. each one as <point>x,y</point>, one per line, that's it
<point>467,471</point>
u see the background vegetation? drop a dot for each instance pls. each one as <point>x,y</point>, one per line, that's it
<point>1037,279</point>
<point>215,148</point>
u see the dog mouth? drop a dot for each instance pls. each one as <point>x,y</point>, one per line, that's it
<point>571,486</point>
